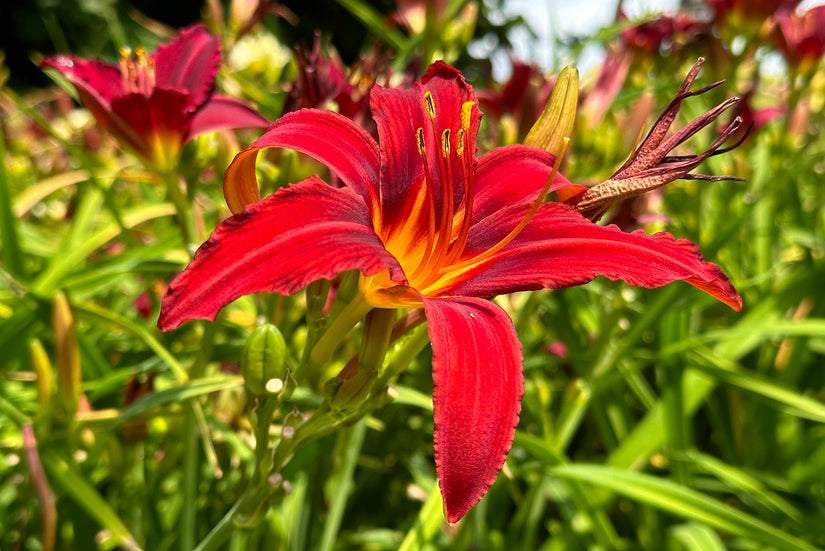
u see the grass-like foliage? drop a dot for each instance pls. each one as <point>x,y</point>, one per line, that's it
<point>653,416</point>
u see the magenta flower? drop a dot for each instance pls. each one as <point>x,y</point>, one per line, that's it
<point>153,104</point>
<point>428,225</point>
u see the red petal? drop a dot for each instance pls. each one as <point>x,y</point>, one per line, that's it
<point>98,84</point>
<point>560,248</point>
<point>478,384</point>
<point>97,78</point>
<point>334,140</point>
<point>220,113</point>
<point>295,236</point>
<point>189,63</point>
<point>511,174</point>
<point>399,114</point>
<point>162,120</point>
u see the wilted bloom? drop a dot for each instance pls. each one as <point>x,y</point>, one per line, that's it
<point>153,104</point>
<point>652,165</point>
<point>801,37</point>
<point>428,225</point>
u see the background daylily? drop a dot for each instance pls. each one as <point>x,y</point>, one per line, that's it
<point>428,225</point>
<point>153,104</point>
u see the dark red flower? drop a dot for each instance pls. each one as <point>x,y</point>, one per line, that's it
<point>801,37</point>
<point>153,104</point>
<point>428,225</point>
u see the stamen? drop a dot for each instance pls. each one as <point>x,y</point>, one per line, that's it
<point>445,143</point>
<point>466,114</point>
<point>142,70</point>
<point>467,181</point>
<point>125,54</point>
<point>521,225</point>
<point>429,105</point>
<point>428,181</point>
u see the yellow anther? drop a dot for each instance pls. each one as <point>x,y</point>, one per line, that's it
<point>459,142</point>
<point>467,114</point>
<point>140,53</point>
<point>429,105</point>
<point>125,54</point>
<point>419,138</point>
<point>445,143</point>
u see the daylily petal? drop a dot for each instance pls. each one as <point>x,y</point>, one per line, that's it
<point>399,113</point>
<point>98,84</point>
<point>560,248</point>
<point>220,113</point>
<point>160,119</point>
<point>477,389</point>
<point>297,235</point>
<point>510,175</point>
<point>189,63</point>
<point>340,144</point>
<point>98,78</point>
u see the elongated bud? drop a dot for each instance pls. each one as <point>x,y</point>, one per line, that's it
<point>263,361</point>
<point>69,374</point>
<point>559,115</point>
<point>42,367</point>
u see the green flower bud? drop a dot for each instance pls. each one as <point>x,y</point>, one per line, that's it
<point>263,362</point>
<point>559,115</point>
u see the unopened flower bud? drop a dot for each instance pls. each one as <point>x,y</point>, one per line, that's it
<point>68,354</point>
<point>559,115</point>
<point>263,362</point>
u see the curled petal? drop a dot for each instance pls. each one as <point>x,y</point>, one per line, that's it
<point>220,113</point>
<point>189,63</point>
<point>477,389</point>
<point>297,235</point>
<point>560,248</point>
<point>334,140</point>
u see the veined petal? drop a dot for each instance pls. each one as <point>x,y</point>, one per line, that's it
<point>560,248</point>
<point>512,174</point>
<point>478,384</point>
<point>295,236</point>
<point>399,113</point>
<point>189,63</point>
<point>340,144</point>
<point>162,120</point>
<point>220,113</point>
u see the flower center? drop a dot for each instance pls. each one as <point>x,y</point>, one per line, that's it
<point>431,239</point>
<point>137,75</point>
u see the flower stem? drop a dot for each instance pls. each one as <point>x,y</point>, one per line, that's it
<point>179,199</point>
<point>337,329</point>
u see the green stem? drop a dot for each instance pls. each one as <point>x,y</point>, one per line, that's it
<point>337,329</point>
<point>178,198</point>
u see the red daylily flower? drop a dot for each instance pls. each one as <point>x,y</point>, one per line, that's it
<point>153,104</point>
<point>801,37</point>
<point>428,225</point>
